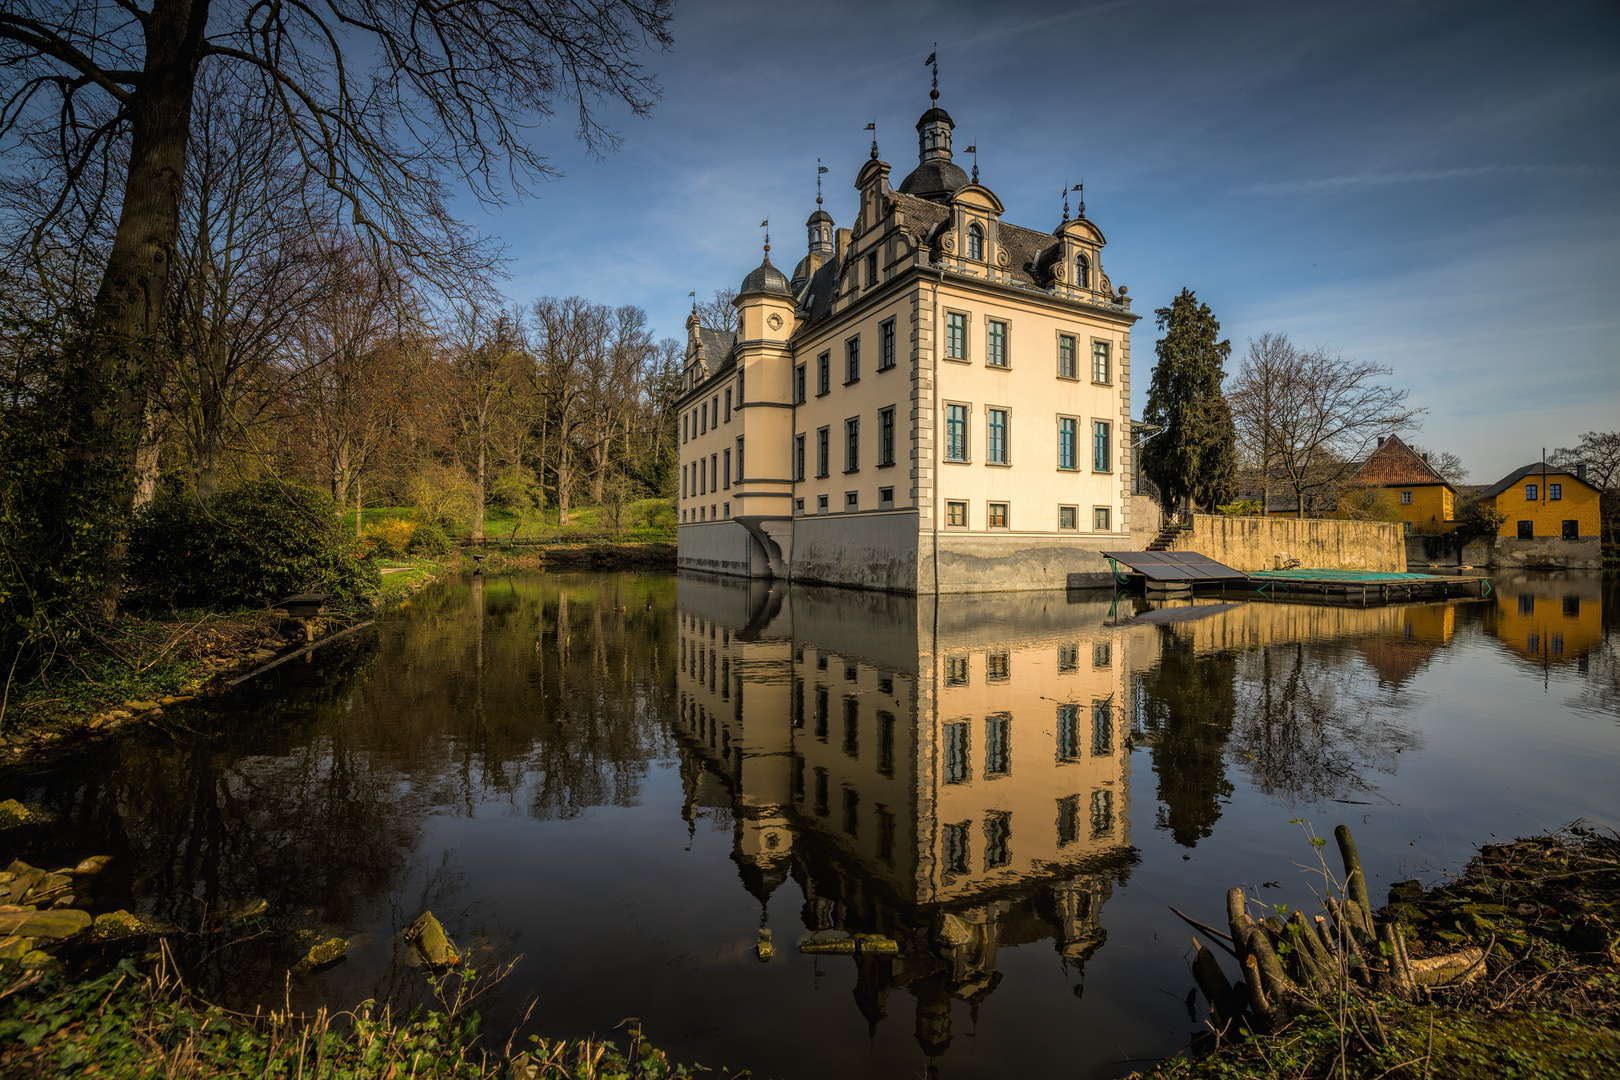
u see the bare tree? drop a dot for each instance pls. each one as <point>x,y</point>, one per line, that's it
<point>488,359</point>
<point>389,103</point>
<point>1448,465</point>
<point>567,334</point>
<point>1599,451</point>
<point>1254,412</point>
<point>718,312</point>
<point>1318,413</point>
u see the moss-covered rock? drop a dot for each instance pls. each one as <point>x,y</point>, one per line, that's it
<point>432,943</point>
<point>327,952</point>
<point>120,925</point>
<point>14,814</point>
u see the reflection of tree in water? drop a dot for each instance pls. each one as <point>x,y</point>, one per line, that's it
<point>1312,726</point>
<point>311,787</point>
<point>1185,706</point>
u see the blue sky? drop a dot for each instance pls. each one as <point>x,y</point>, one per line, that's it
<point>1434,186</point>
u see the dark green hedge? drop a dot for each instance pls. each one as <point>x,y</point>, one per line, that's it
<point>250,546</point>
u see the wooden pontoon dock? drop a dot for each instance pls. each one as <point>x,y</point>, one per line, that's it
<point>1185,571</point>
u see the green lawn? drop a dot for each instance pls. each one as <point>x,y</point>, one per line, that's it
<point>642,521</point>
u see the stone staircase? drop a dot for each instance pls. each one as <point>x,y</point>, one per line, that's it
<point>1166,537</point>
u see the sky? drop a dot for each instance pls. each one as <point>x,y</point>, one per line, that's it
<point>1432,186</point>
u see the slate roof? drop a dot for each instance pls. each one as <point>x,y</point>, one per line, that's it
<point>1394,464</point>
<point>935,179</point>
<point>765,278</point>
<point>1535,468</point>
<point>717,345</point>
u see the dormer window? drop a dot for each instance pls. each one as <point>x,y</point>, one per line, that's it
<point>975,243</point>
<point>1082,272</point>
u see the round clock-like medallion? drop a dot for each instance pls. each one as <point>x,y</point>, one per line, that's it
<point>774,322</point>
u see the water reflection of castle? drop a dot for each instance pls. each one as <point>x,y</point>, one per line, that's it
<point>941,776</point>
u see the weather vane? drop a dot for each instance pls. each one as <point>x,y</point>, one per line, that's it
<point>872,127</point>
<point>974,150</point>
<point>933,61</point>
<point>766,225</point>
<point>820,168</point>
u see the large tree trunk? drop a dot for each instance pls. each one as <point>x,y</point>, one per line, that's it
<point>478,511</point>
<point>122,354</point>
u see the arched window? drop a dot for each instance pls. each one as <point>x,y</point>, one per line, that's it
<point>1082,272</point>
<point>975,243</point>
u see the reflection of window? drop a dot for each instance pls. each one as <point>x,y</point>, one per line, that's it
<point>1102,728</point>
<point>852,812</point>
<point>1572,606</point>
<point>852,726</point>
<point>1102,654</point>
<point>797,704</point>
<point>851,672</point>
<point>997,840</point>
<point>956,752</point>
<point>822,809</point>
<point>1068,732</point>
<point>821,713</point>
<point>1102,813</point>
<point>1533,643</point>
<point>997,665</point>
<point>798,779</point>
<point>997,745</point>
<point>885,833</point>
<point>956,848</point>
<point>1527,604</point>
<point>956,671</point>
<point>885,734</point>
<point>1068,657</point>
<point>1068,820</point>
<point>1556,641</point>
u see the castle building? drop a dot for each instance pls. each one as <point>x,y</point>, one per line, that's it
<point>935,400</point>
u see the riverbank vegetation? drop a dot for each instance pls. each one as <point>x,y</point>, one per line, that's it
<point>1512,969</point>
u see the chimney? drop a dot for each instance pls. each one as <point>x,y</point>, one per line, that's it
<point>1380,440</point>
<point>1580,472</point>
<point>1425,458</point>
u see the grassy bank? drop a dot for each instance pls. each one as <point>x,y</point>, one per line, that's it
<point>1542,917</point>
<point>130,1023</point>
<point>129,672</point>
<point>645,521</point>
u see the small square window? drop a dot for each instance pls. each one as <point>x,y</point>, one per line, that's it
<point>821,504</point>
<point>886,498</point>
<point>1572,530</point>
<point>1406,498</point>
<point>996,514</point>
<point>956,514</point>
<point>798,506</point>
<point>1531,493</point>
<point>1555,492</point>
<point>1099,519</point>
<point>1527,530</point>
<point>1068,517</point>
<point>851,501</point>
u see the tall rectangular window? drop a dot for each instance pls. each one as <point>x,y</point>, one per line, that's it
<point>1102,728</point>
<point>955,854</point>
<point>1100,457</point>
<point>995,446</point>
<point>998,745</point>
<point>798,385</point>
<point>821,452</point>
<point>886,346</point>
<point>703,478</point>
<point>1068,820</point>
<point>886,436</point>
<point>996,344</point>
<point>704,413</point>
<point>956,444</point>
<point>852,726</point>
<point>1555,492</point>
<point>685,429</point>
<point>726,473</point>
<point>852,444</point>
<point>956,752</point>
<point>852,360</point>
<point>1065,356</point>
<point>1531,493</point>
<point>885,737</point>
<point>823,373</point>
<point>798,457</point>
<point>728,406</point>
<point>1068,732</point>
<point>740,473</point>
<point>1068,436</point>
<point>871,269</point>
<point>1099,361</point>
<point>955,336</point>
<point>997,839</point>
<point>885,833</point>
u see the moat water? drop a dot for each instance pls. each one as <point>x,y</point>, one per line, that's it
<point>622,778</point>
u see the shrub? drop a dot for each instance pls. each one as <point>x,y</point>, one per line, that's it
<point>1241,508</point>
<point>428,542</point>
<point>391,536</point>
<point>443,495</point>
<point>253,545</point>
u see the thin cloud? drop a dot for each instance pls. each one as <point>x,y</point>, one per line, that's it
<point>1414,176</point>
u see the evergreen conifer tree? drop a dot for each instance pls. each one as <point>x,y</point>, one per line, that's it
<point>1194,459</point>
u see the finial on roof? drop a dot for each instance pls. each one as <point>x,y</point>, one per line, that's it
<point>974,150</point>
<point>1065,204</point>
<point>933,59</point>
<point>1081,188</point>
<point>820,168</point>
<point>766,225</point>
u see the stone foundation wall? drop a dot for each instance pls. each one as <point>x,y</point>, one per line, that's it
<point>1256,543</point>
<point>863,551</point>
<point>719,547</point>
<point>1548,552</point>
<point>976,562</point>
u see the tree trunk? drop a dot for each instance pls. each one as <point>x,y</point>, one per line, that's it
<point>357,508</point>
<point>564,481</point>
<point>121,354</point>
<point>478,511</point>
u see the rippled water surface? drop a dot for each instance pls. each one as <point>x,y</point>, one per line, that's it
<point>623,778</point>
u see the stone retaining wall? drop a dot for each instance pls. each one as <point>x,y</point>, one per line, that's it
<point>1260,543</point>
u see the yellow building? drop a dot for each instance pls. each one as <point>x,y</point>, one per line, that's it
<point>935,400</point>
<point>1547,618</point>
<point>1540,500</point>
<point>1425,500</point>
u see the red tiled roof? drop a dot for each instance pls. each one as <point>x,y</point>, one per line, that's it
<point>1394,464</point>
